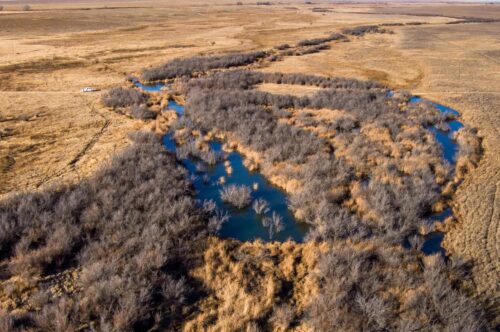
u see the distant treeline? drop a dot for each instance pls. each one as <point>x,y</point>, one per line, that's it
<point>187,66</point>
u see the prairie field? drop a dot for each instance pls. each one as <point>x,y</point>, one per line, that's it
<point>62,151</point>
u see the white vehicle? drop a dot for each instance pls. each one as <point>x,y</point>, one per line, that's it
<point>88,89</point>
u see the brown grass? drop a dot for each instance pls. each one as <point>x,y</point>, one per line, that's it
<point>250,282</point>
<point>287,89</point>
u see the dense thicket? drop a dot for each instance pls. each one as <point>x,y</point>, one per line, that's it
<point>316,41</point>
<point>377,288</point>
<point>282,47</point>
<point>188,66</point>
<point>306,50</point>
<point>362,30</point>
<point>123,97</point>
<point>142,112</point>
<point>129,232</point>
<point>240,79</point>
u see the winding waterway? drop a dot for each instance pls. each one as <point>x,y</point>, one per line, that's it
<point>433,241</point>
<point>245,224</point>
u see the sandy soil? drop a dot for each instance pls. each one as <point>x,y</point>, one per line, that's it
<point>49,131</point>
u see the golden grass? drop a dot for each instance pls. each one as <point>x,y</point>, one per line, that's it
<point>247,280</point>
<point>288,89</point>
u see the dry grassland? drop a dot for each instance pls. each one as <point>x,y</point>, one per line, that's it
<point>50,132</point>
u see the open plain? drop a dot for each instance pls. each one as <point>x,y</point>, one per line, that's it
<point>52,134</point>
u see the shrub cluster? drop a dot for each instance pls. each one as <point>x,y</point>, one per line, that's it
<point>467,19</point>
<point>320,10</point>
<point>236,111</point>
<point>191,149</point>
<point>362,30</point>
<point>130,231</point>
<point>188,66</point>
<point>306,50</point>
<point>142,112</point>
<point>317,41</point>
<point>367,289</point>
<point>246,80</point>
<point>123,97</point>
<point>282,47</point>
<point>239,196</point>
<point>469,151</point>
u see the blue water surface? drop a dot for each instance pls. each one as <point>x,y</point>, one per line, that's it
<point>433,241</point>
<point>149,87</point>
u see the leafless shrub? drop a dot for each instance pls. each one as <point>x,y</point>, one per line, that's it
<point>217,219</point>
<point>391,24</point>
<point>238,196</point>
<point>274,224</point>
<point>141,204</point>
<point>142,112</point>
<point>26,8</point>
<point>6,322</point>
<point>416,23</point>
<point>311,49</point>
<point>362,30</point>
<point>355,293</point>
<point>144,137</point>
<point>320,10</point>
<point>123,97</point>
<point>282,47</point>
<point>282,317</point>
<point>317,41</point>
<point>187,66</point>
<point>174,291</point>
<point>192,149</point>
<point>260,206</point>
